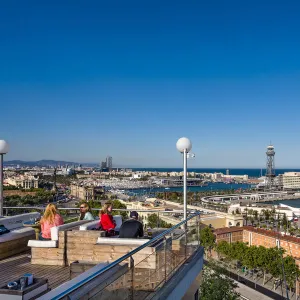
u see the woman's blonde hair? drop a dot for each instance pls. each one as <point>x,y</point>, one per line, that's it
<point>49,214</point>
<point>104,209</point>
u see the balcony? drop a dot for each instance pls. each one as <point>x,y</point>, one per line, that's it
<point>167,266</point>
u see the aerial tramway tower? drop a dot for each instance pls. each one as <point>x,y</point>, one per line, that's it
<point>270,168</point>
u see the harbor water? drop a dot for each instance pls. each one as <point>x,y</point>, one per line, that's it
<point>209,187</point>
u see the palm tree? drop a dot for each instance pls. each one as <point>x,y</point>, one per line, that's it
<point>246,217</point>
<point>292,231</point>
<point>267,215</point>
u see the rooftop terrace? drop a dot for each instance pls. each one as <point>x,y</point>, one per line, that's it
<point>163,267</point>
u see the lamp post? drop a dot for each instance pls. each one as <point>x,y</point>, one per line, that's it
<point>4,147</point>
<point>184,146</point>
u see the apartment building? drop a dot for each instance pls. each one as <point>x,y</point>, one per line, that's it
<point>291,180</point>
<point>260,237</point>
<point>87,192</point>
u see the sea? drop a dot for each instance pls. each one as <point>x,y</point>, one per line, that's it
<point>252,173</point>
<point>209,187</point>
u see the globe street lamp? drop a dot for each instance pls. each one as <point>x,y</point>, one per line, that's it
<point>184,146</point>
<point>4,147</point>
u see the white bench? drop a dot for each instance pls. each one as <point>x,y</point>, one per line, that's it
<point>55,235</point>
<point>16,240</point>
<point>121,241</point>
<point>52,252</point>
<point>18,220</point>
<point>96,224</point>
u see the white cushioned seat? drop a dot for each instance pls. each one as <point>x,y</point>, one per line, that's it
<point>42,244</point>
<point>16,234</point>
<point>56,229</point>
<point>14,222</point>
<point>119,241</point>
<point>90,225</point>
<point>118,220</point>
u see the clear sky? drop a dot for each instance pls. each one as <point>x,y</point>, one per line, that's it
<point>83,79</point>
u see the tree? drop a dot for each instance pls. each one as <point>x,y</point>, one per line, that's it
<point>249,257</point>
<point>207,239</point>
<point>274,262</point>
<point>215,285</point>
<point>223,248</point>
<point>255,215</point>
<point>291,271</point>
<point>284,220</point>
<point>154,221</point>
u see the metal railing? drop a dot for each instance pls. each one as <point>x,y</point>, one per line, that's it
<point>140,278</point>
<point>93,209</point>
<point>72,212</point>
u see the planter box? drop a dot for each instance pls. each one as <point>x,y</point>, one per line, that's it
<point>38,288</point>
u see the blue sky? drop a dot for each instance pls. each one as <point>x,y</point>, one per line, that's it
<point>83,79</point>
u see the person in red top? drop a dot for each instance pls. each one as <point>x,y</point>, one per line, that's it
<point>50,219</point>
<point>107,222</point>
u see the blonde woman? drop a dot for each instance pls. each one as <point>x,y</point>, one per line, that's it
<point>50,219</point>
<point>85,212</point>
<point>107,222</point>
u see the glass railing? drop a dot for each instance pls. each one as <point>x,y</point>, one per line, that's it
<point>158,218</point>
<point>140,273</point>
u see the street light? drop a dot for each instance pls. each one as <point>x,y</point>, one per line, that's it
<point>4,147</point>
<point>184,146</point>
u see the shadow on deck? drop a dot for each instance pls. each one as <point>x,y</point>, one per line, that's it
<point>14,267</point>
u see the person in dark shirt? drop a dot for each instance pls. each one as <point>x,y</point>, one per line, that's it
<point>132,228</point>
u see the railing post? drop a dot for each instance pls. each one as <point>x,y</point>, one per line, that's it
<point>185,246</point>
<point>198,229</point>
<point>165,250</point>
<point>132,277</point>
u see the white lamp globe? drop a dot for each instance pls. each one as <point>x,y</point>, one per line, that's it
<point>4,147</point>
<point>184,144</point>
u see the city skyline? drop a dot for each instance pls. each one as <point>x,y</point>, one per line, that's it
<point>129,79</point>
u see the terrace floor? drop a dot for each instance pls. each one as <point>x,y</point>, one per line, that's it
<point>14,267</point>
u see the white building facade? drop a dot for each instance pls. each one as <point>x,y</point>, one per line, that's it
<point>291,180</point>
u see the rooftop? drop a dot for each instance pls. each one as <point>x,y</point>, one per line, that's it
<point>165,266</point>
<point>228,229</point>
<point>16,266</point>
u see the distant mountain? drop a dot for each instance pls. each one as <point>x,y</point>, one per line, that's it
<point>44,163</point>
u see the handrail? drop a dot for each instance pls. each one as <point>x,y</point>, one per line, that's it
<point>96,209</point>
<point>119,260</point>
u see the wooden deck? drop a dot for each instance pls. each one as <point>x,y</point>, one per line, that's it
<point>13,267</point>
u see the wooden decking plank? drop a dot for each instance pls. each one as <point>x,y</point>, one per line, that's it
<point>13,267</point>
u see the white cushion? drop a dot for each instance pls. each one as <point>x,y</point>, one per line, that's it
<point>56,229</point>
<point>90,225</point>
<point>42,244</point>
<point>16,234</point>
<point>119,241</point>
<point>118,220</point>
<point>17,221</point>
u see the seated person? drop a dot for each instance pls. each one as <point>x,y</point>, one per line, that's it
<point>107,222</point>
<point>50,219</point>
<point>85,212</point>
<point>132,228</point>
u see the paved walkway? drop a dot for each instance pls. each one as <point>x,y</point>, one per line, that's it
<point>249,293</point>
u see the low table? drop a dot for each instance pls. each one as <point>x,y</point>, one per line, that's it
<point>38,288</point>
<point>35,225</point>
